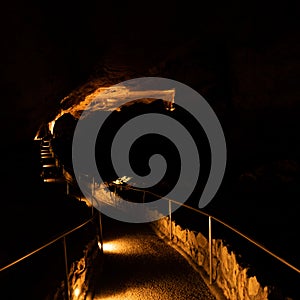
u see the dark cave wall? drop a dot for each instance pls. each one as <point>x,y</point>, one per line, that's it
<point>47,50</point>
<point>242,59</point>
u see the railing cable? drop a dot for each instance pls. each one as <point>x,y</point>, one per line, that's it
<point>47,244</point>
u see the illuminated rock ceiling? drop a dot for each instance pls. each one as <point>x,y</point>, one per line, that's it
<point>243,60</point>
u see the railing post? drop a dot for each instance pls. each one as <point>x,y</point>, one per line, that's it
<point>79,181</point>
<point>67,286</point>
<point>210,249</point>
<point>115,195</point>
<point>144,196</point>
<point>100,231</point>
<point>170,217</point>
<point>93,194</point>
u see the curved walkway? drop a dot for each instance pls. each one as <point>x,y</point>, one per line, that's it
<point>138,265</point>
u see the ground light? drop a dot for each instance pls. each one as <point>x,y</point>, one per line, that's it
<point>77,292</point>
<point>110,247</point>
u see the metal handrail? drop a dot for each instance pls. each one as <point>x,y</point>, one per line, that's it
<point>211,217</point>
<point>251,240</point>
<point>47,244</point>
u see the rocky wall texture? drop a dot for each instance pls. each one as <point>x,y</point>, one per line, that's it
<point>227,273</point>
<point>81,273</point>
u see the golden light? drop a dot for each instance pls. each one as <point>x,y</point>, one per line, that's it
<point>77,292</point>
<point>37,138</point>
<point>122,180</point>
<point>109,98</point>
<point>133,293</point>
<point>110,247</point>
<point>121,246</point>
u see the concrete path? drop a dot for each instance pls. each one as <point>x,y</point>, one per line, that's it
<point>138,265</point>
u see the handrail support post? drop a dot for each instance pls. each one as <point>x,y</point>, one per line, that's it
<point>100,231</point>
<point>67,286</point>
<point>170,218</point>
<point>93,194</point>
<point>210,249</point>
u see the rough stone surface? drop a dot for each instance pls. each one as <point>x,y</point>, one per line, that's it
<point>143,266</point>
<point>227,273</point>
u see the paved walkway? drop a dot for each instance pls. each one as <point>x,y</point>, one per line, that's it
<point>138,265</point>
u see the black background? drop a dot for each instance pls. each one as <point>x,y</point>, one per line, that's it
<point>242,56</point>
